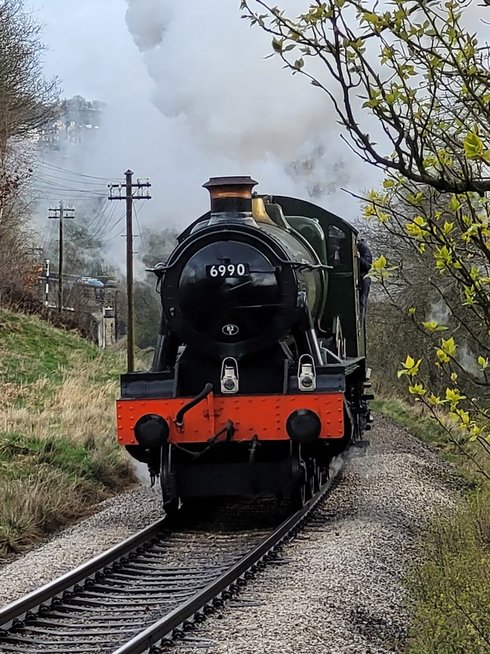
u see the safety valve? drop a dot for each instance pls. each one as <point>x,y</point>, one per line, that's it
<point>229,375</point>
<point>306,373</point>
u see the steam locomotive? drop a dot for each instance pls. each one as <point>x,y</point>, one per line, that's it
<point>259,373</point>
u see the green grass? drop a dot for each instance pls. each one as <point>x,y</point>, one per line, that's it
<point>449,588</point>
<point>32,350</point>
<point>58,452</point>
<point>19,453</point>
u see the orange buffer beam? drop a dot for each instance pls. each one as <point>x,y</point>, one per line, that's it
<point>262,415</point>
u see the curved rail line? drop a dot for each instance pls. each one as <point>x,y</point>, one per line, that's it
<point>129,600</point>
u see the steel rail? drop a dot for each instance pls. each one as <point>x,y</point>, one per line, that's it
<point>174,620</point>
<point>18,609</point>
<point>150,637</point>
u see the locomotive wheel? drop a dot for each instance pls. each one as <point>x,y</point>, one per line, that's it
<point>295,494</point>
<point>311,482</point>
<point>171,508</point>
<point>298,496</point>
<point>171,501</point>
<point>317,477</point>
<point>322,475</point>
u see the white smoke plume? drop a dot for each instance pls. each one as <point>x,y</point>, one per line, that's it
<point>143,476</point>
<point>147,21</point>
<point>190,94</point>
<point>226,109</point>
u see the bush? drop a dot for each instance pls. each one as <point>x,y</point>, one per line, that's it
<point>451,589</point>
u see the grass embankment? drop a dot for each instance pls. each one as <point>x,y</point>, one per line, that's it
<point>449,590</point>
<point>57,446</point>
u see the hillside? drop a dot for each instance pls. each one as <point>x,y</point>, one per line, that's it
<point>57,448</point>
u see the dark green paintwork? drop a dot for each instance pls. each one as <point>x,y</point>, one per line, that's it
<point>343,279</point>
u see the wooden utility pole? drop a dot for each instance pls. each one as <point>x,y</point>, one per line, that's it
<point>61,214</point>
<point>116,193</point>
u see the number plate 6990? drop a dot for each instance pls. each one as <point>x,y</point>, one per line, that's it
<point>228,270</point>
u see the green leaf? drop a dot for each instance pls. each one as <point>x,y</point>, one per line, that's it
<point>448,346</point>
<point>433,326</point>
<point>379,263</point>
<point>277,45</point>
<point>483,362</point>
<point>473,146</point>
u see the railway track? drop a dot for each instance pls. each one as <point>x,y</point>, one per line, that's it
<point>142,593</point>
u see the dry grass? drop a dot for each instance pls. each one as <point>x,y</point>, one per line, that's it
<point>58,454</point>
<point>78,407</point>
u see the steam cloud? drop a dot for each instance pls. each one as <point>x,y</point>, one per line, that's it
<point>233,111</point>
<point>202,101</point>
<point>147,20</point>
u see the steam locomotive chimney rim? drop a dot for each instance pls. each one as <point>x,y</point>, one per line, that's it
<point>230,187</point>
<point>231,200</point>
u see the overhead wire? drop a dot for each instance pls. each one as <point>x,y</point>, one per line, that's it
<point>39,179</point>
<point>98,229</point>
<point>95,226</point>
<point>51,195</point>
<point>69,179</point>
<point>73,185</point>
<point>107,236</point>
<point>47,227</point>
<point>78,174</point>
<point>138,222</point>
<point>51,236</point>
<point>92,222</point>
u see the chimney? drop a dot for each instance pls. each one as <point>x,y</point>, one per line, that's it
<point>231,199</point>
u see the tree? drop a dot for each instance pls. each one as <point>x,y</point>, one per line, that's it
<point>16,268</point>
<point>425,80</point>
<point>27,100</point>
<point>418,72</point>
<point>157,247</point>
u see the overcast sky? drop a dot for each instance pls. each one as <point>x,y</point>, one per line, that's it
<point>89,45</point>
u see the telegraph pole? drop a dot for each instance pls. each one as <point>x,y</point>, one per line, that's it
<point>61,214</point>
<point>116,193</point>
